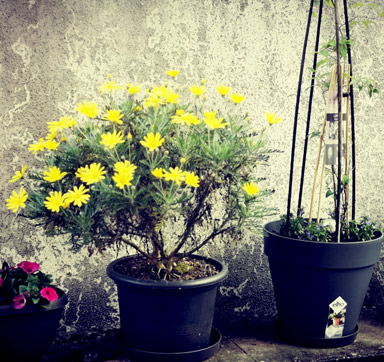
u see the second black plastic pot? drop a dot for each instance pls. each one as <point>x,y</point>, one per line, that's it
<point>167,317</point>
<point>313,281</point>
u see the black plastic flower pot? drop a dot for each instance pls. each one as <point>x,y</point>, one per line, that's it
<point>319,287</point>
<point>26,334</point>
<point>168,321</point>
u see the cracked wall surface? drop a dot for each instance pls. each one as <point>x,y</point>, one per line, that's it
<point>55,54</point>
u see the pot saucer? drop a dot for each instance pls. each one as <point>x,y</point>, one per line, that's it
<point>188,356</point>
<point>306,341</point>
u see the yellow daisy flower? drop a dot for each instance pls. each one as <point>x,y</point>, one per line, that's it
<point>92,173</point>
<point>133,89</point>
<point>237,98</point>
<point>223,90</point>
<point>124,166</point>
<point>112,139</point>
<point>78,196</point>
<point>158,172</point>
<point>53,174</point>
<point>191,179</point>
<point>172,73</point>
<point>51,144</point>
<point>64,122</point>
<point>185,118</point>
<point>197,90</point>
<point>54,201</point>
<point>152,141</point>
<point>271,118</point>
<point>212,122</point>
<point>17,200</point>
<point>18,174</point>
<point>36,147</point>
<point>114,115</point>
<point>123,178</point>
<point>174,174</point>
<point>251,189</point>
<point>90,110</point>
<point>110,87</point>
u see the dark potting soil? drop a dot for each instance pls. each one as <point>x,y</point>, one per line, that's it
<point>184,269</point>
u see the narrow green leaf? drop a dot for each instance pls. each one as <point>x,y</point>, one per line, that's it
<point>351,23</point>
<point>358,4</point>
<point>315,134</point>
<point>321,62</point>
<point>367,22</point>
<point>343,51</point>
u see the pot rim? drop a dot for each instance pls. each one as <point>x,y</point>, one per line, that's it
<point>61,302</point>
<point>267,228</point>
<point>165,284</point>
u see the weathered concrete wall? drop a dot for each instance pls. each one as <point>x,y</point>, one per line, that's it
<point>54,54</point>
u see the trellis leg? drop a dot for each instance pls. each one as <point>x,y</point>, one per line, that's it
<point>296,117</point>
<point>346,152</point>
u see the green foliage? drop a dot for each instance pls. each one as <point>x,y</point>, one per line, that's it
<point>219,151</point>
<point>300,228</point>
<point>361,231</point>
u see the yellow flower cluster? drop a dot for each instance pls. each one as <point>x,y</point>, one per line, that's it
<point>160,95</point>
<point>124,171</point>
<point>177,175</point>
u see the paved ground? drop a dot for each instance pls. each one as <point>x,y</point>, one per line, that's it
<point>258,345</point>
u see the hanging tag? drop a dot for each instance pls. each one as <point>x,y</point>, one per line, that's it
<point>336,318</point>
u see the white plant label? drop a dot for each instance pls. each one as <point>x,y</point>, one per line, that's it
<point>336,318</point>
<point>331,126</point>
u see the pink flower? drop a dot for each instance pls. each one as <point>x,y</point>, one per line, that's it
<point>49,294</point>
<point>19,301</point>
<point>28,266</point>
<point>1,282</point>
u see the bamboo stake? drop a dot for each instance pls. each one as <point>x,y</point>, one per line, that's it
<point>321,189</point>
<point>332,86</point>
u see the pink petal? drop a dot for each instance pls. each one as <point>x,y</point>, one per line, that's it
<point>19,301</point>
<point>29,267</point>
<point>49,294</point>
